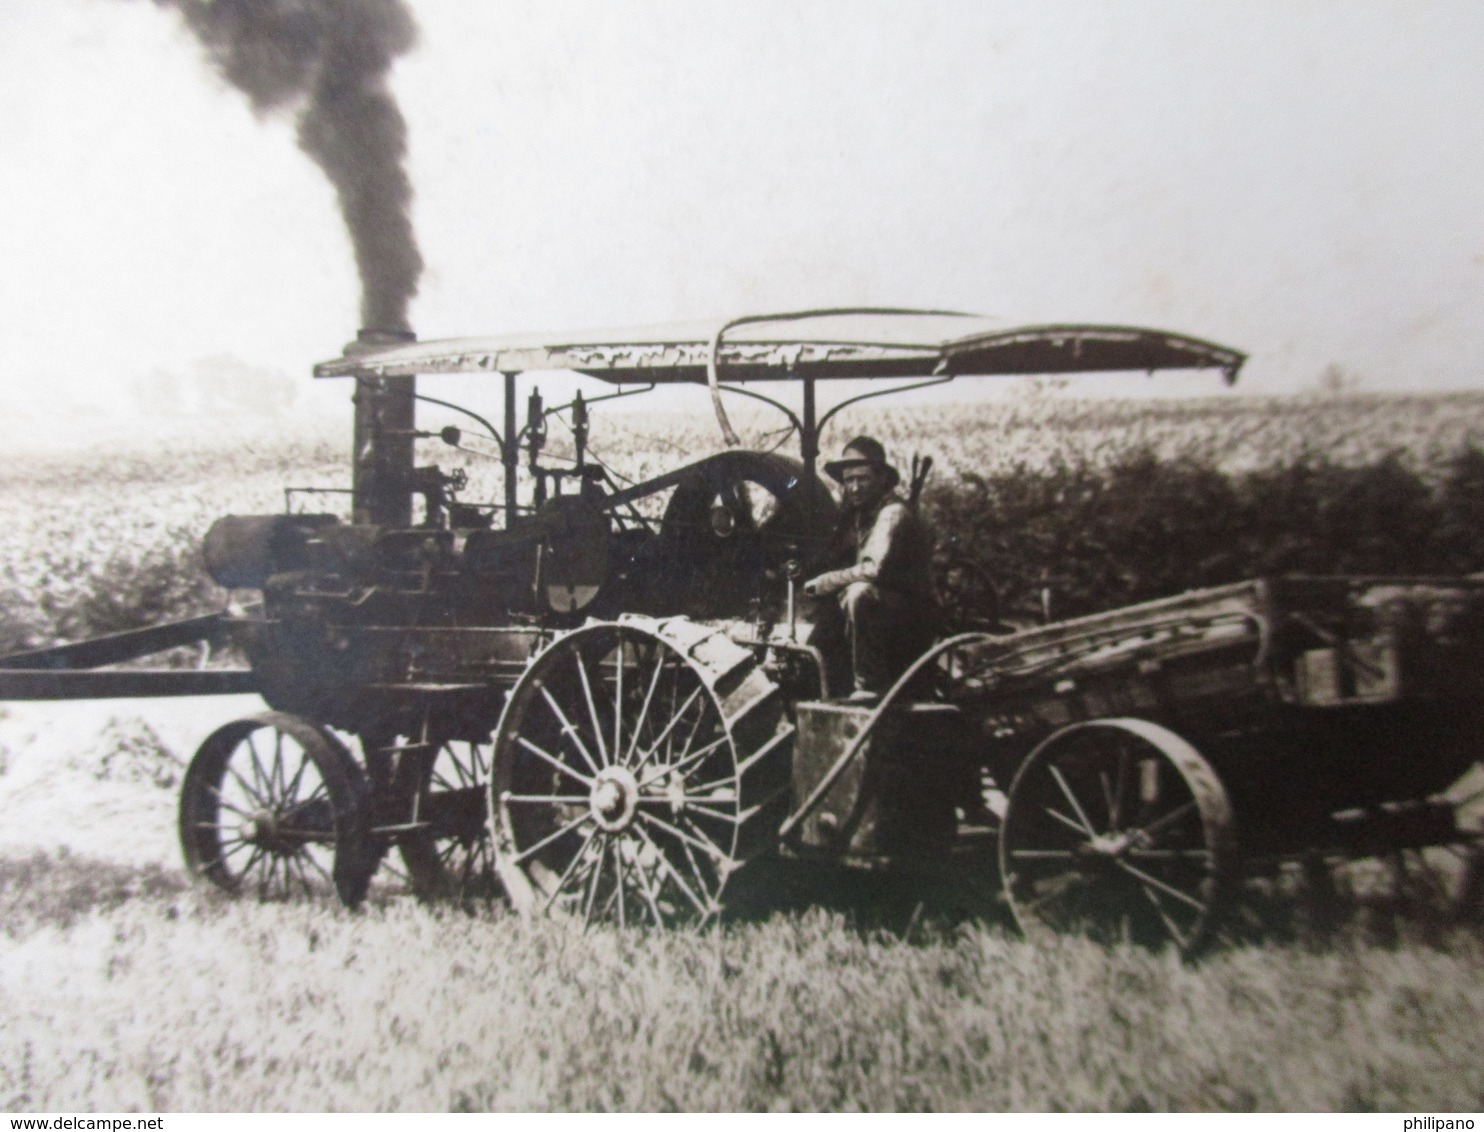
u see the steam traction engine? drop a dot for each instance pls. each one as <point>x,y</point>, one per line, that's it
<point>606,699</point>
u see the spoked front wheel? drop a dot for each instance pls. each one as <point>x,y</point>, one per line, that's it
<point>1119,829</point>
<point>268,807</point>
<point>448,854</point>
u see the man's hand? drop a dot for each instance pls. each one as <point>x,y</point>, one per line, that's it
<point>811,587</point>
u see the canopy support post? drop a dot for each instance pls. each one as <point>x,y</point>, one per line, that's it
<point>510,451</point>
<point>809,433</point>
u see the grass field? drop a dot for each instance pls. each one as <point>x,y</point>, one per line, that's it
<point>122,987</point>
<point>124,990</point>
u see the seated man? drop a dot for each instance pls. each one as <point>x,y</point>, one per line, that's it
<point>886,599</point>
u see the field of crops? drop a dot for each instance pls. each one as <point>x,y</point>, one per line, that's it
<point>105,539</point>
<point>122,987</point>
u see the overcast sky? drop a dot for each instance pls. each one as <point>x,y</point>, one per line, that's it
<point>1302,180</point>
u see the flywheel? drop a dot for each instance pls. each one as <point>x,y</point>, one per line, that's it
<point>637,766</point>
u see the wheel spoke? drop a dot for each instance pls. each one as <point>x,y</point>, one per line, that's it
<point>592,707</point>
<point>313,860</point>
<point>717,790</point>
<point>1468,799</point>
<point>569,729</point>
<point>1170,925</point>
<point>1043,854</point>
<point>689,760</point>
<point>597,876</point>
<point>298,862</point>
<point>696,871</point>
<point>674,873</point>
<point>618,702</point>
<point>223,857</point>
<point>1063,882</point>
<point>701,843</point>
<point>1203,855</point>
<point>479,765</point>
<point>466,867</point>
<point>1168,819</point>
<point>669,727</point>
<point>618,884</point>
<point>1115,818</point>
<point>569,799</point>
<point>217,794</point>
<point>651,898</point>
<point>291,790</point>
<point>702,807</point>
<point>691,738</point>
<point>1068,822</point>
<point>654,682</point>
<point>1072,798</point>
<point>253,858</point>
<point>250,791</point>
<point>550,837</point>
<point>554,761</point>
<point>252,749</point>
<point>280,776</point>
<point>570,871</point>
<point>315,795</point>
<point>1167,889</point>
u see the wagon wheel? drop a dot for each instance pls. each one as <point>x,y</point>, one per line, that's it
<point>1119,828</point>
<point>637,766</point>
<point>1436,882</point>
<point>269,806</point>
<point>1466,875</point>
<point>449,855</point>
<point>1443,882</point>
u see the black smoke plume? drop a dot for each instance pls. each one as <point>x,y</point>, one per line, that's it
<point>328,60</point>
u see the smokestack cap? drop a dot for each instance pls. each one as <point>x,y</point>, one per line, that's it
<point>371,339</point>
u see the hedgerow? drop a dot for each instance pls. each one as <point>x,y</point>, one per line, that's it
<point>1077,537</point>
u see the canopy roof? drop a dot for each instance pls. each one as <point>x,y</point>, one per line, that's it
<point>821,344</point>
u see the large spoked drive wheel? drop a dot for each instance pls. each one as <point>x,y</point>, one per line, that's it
<point>1119,829</point>
<point>637,766</point>
<point>268,809</point>
<point>449,856</point>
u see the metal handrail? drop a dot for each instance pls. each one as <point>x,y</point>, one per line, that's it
<point>858,743</point>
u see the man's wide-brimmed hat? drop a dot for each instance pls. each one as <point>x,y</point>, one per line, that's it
<point>863,451</point>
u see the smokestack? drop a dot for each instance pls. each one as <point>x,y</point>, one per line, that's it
<point>382,441</point>
<point>328,60</point>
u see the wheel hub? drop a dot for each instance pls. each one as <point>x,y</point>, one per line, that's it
<point>1107,845</point>
<point>614,798</point>
<point>263,831</point>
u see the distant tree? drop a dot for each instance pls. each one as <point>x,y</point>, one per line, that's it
<point>1337,380</point>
